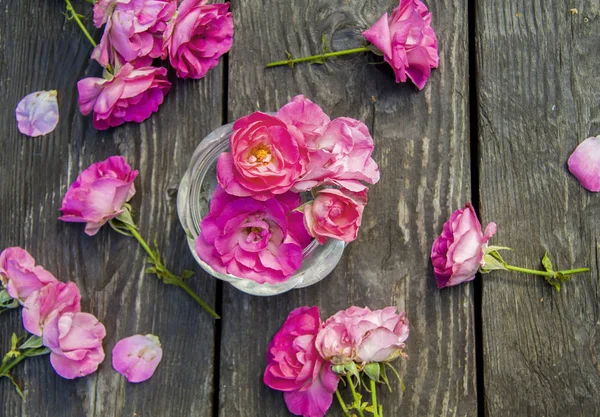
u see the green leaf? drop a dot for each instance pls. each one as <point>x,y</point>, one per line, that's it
<point>547,263</point>
<point>324,41</point>
<point>4,297</point>
<point>384,376</point>
<point>14,341</point>
<point>37,352</point>
<point>187,274</point>
<point>373,371</point>
<point>17,388</point>
<point>32,343</point>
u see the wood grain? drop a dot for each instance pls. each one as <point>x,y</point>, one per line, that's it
<point>422,142</point>
<point>40,49</point>
<point>538,94</point>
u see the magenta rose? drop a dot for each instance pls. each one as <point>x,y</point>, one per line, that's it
<point>335,214</point>
<point>197,37</point>
<point>20,275</point>
<point>75,342</point>
<point>265,159</point>
<point>56,297</point>
<point>295,367</point>
<point>132,95</point>
<point>99,194</point>
<point>407,41</point>
<point>248,238</point>
<point>362,336</point>
<point>458,253</point>
<point>134,30</point>
<point>340,154</point>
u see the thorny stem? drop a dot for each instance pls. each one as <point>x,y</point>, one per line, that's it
<point>317,57</point>
<point>357,402</point>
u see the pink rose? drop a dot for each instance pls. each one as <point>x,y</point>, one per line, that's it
<point>132,95</point>
<point>19,274</point>
<point>305,116</point>
<point>248,239</point>
<point>75,342</point>
<point>136,357</point>
<point>99,194</point>
<point>340,154</point>
<point>134,29</point>
<point>295,367</point>
<point>408,41</point>
<point>265,159</point>
<point>458,253</point>
<point>53,298</point>
<point>197,37</point>
<point>362,336</point>
<point>335,214</point>
<point>584,164</point>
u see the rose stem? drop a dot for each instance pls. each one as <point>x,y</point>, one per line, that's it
<point>322,56</point>
<point>546,273</point>
<point>354,395</point>
<point>374,399</point>
<point>342,403</point>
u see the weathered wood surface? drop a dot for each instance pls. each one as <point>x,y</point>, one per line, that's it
<point>40,49</point>
<point>539,96</point>
<point>422,147</point>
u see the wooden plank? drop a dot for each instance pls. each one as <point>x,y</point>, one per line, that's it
<point>422,147</point>
<point>40,49</point>
<point>538,96</point>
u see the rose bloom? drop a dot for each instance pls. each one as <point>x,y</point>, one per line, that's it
<point>19,274</point>
<point>335,214</point>
<point>136,357</point>
<point>265,159</point>
<point>340,154</point>
<point>305,116</point>
<point>457,254</point>
<point>99,194</point>
<point>134,29</point>
<point>362,336</point>
<point>132,95</point>
<point>407,41</point>
<point>75,342</point>
<point>56,297</point>
<point>295,367</point>
<point>197,37</point>
<point>584,164</point>
<point>248,239</point>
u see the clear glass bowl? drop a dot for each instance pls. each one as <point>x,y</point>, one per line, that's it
<point>193,201</point>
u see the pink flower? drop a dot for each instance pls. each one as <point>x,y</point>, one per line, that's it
<point>584,164</point>
<point>335,214</point>
<point>37,113</point>
<point>75,342</point>
<point>197,37</point>
<point>458,253</point>
<point>265,159</point>
<point>53,298</point>
<point>408,41</point>
<point>20,275</point>
<point>305,116</point>
<point>134,29</point>
<point>99,194</point>
<point>340,154</point>
<point>137,357</point>
<point>361,335</point>
<point>248,239</point>
<point>132,95</point>
<point>295,367</point>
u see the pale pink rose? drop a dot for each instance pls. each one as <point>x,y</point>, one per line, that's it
<point>134,29</point>
<point>584,164</point>
<point>457,254</point>
<point>55,297</point>
<point>407,41</point>
<point>305,116</point>
<point>248,239</point>
<point>197,37</point>
<point>75,342</point>
<point>361,335</point>
<point>335,214</point>
<point>136,357</point>
<point>295,367</point>
<point>132,95</point>
<point>340,154</point>
<point>20,275</point>
<point>99,194</point>
<point>37,113</point>
<point>265,159</point>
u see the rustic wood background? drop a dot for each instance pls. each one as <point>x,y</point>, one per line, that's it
<point>518,87</point>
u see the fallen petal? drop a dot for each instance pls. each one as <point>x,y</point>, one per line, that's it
<point>584,163</point>
<point>37,113</point>
<point>137,357</point>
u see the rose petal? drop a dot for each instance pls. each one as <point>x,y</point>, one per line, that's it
<point>37,113</point>
<point>137,357</point>
<point>584,163</point>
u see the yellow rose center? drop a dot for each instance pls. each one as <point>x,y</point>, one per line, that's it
<point>260,154</point>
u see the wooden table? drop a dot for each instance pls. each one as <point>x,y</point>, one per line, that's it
<point>517,89</point>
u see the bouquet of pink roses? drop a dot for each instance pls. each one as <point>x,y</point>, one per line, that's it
<point>287,179</point>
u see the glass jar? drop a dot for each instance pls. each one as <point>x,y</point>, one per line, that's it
<point>193,202</point>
